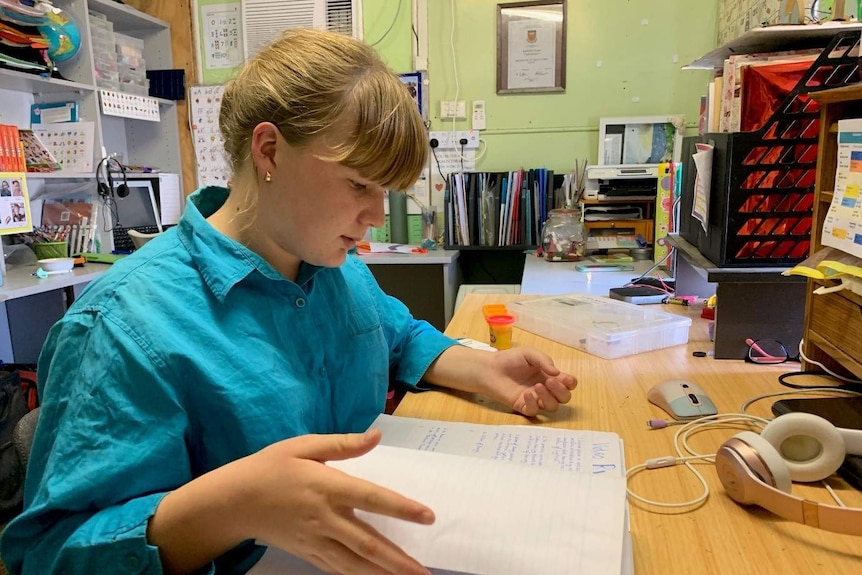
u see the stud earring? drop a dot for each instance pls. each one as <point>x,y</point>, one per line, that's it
<point>267,177</point>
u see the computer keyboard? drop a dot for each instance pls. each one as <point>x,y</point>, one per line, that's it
<point>122,241</point>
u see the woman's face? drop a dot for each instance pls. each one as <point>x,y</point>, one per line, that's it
<point>315,209</point>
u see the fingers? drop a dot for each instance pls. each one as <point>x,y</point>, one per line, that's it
<point>541,360</point>
<point>334,447</point>
<point>528,403</point>
<point>336,557</point>
<point>559,390</point>
<point>544,363</point>
<point>545,399</point>
<point>367,496</point>
<point>368,551</point>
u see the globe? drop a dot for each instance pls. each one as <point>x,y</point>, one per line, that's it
<point>62,34</point>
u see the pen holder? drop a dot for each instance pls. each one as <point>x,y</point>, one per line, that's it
<point>47,250</point>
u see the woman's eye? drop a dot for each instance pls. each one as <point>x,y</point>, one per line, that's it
<point>357,185</point>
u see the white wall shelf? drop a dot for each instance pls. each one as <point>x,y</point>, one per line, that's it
<point>772,38</point>
<point>126,18</point>
<point>23,82</point>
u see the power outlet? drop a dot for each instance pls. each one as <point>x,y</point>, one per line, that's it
<point>452,140</point>
<point>450,110</point>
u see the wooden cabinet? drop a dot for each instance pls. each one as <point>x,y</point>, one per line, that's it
<point>833,322</point>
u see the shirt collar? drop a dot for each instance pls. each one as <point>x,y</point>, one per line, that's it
<point>222,261</point>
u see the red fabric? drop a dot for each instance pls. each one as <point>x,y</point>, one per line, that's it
<point>764,87</point>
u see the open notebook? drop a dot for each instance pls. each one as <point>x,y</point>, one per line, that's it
<point>508,499</point>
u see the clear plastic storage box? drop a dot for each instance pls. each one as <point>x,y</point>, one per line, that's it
<point>600,326</point>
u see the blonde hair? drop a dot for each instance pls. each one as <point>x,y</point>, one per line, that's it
<point>314,84</point>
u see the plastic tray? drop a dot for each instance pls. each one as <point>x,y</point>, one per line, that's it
<point>600,326</point>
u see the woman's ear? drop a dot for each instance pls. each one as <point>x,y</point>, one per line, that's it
<point>264,144</point>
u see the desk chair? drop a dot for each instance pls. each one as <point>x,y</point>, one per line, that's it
<point>22,436</point>
<point>22,442</point>
<point>140,238</point>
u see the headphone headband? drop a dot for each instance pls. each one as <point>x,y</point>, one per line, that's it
<point>735,461</point>
<point>106,187</point>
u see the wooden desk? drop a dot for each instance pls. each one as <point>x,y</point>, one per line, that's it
<point>721,537</point>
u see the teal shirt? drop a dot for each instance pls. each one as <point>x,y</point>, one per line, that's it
<point>189,354</point>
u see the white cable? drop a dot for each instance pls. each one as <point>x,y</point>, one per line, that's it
<point>391,25</point>
<point>833,494</point>
<point>685,454</point>
<point>457,86</point>
<point>823,367</point>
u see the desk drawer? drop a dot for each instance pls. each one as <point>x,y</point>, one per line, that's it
<point>839,321</point>
<point>643,227</point>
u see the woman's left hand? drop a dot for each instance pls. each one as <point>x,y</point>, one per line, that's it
<point>526,380</point>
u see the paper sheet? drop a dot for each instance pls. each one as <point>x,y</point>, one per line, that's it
<point>842,228</point>
<point>481,510</point>
<point>170,199</point>
<point>71,144</point>
<point>565,449</point>
<point>702,184</point>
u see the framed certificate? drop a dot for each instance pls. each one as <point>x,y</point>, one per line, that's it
<point>531,47</point>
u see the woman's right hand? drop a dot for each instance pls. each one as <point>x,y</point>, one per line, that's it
<point>285,495</point>
<point>307,508</point>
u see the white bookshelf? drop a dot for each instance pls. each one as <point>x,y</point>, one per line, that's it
<point>137,142</point>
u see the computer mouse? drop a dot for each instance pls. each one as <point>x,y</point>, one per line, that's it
<point>681,399</point>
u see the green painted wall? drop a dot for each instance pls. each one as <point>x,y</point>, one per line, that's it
<point>617,50</point>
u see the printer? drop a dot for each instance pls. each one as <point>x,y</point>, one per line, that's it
<point>621,182</point>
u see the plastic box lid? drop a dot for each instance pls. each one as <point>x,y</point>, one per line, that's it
<point>600,326</point>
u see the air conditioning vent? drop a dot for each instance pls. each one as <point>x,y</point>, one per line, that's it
<point>265,20</point>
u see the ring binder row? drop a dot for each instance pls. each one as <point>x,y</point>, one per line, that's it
<point>496,209</point>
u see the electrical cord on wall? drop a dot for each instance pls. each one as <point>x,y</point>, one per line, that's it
<point>458,92</point>
<point>391,25</point>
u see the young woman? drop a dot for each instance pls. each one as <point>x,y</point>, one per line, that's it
<point>193,394</point>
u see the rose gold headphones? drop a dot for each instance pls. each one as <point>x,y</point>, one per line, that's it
<point>758,469</point>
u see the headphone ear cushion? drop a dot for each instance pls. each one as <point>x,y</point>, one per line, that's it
<point>122,190</point>
<point>104,191</point>
<point>811,447</point>
<point>770,457</point>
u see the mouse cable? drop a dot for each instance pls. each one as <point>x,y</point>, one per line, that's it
<point>685,454</point>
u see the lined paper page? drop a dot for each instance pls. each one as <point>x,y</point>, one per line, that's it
<point>494,518</point>
<point>170,202</point>
<point>598,452</point>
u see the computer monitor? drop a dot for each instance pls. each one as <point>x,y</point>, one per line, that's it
<point>138,211</point>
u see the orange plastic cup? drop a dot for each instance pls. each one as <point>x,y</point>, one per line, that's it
<point>494,309</point>
<point>500,330</point>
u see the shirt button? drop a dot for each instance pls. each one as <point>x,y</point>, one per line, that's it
<point>131,562</point>
<point>300,302</point>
